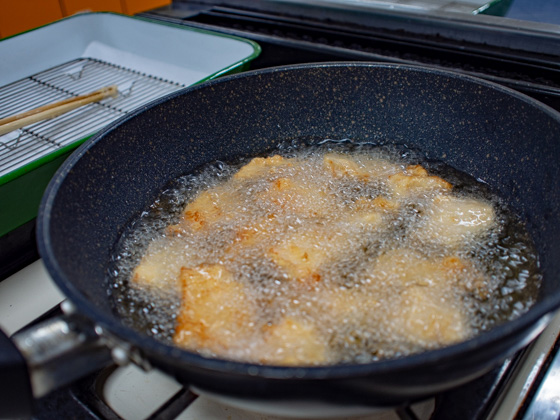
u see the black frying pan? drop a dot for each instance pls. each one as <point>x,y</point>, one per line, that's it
<point>510,141</point>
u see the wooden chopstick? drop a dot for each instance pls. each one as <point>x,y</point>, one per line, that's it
<point>55,109</point>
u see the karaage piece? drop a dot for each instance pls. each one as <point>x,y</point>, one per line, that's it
<point>160,265</point>
<point>301,255</point>
<point>215,205</point>
<point>261,231</point>
<point>300,259</point>
<point>364,169</point>
<point>378,203</point>
<point>415,181</point>
<point>292,342</point>
<point>341,165</point>
<point>367,219</point>
<point>467,276</point>
<point>216,312</point>
<point>290,196</point>
<point>424,296</point>
<point>453,221</point>
<point>402,268</point>
<point>428,317</point>
<point>259,167</point>
<point>343,306</point>
<point>369,212</point>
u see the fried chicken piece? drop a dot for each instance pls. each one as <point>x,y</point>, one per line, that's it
<point>420,310</point>
<point>260,166</point>
<point>253,234</point>
<point>421,297</point>
<point>208,208</point>
<point>292,342</point>
<point>428,317</point>
<point>378,203</point>
<point>160,266</point>
<point>216,312</point>
<point>222,203</point>
<point>369,212</point>
<point>258,234</point>
<point>368,219</point>
<point>415,181</point>
<point>341,165</point>
<point>302,254</point>
<point>453,221</point>
<point>288,196</point>
<point>403,268</point>
<point>346,306</point>
<point>301,257</point>
<point>468,277</point>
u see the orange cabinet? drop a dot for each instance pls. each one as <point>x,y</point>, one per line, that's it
<point>70,7</point>
<point>129,7</point>
<point>18,16</point>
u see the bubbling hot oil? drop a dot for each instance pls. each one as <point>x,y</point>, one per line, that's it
<point>353,308</point>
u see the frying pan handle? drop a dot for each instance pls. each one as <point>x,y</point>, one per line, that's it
<point>49,355</point>
<point>60,350</point>
<point>15,388</point>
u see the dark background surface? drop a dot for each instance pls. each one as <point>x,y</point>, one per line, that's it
<point>546,11</point>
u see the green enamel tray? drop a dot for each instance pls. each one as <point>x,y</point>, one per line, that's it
<point>77,55</point>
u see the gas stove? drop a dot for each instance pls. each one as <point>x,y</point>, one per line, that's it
<point>521,55</point>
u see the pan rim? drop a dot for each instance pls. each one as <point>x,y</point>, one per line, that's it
<point>537,316</point>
